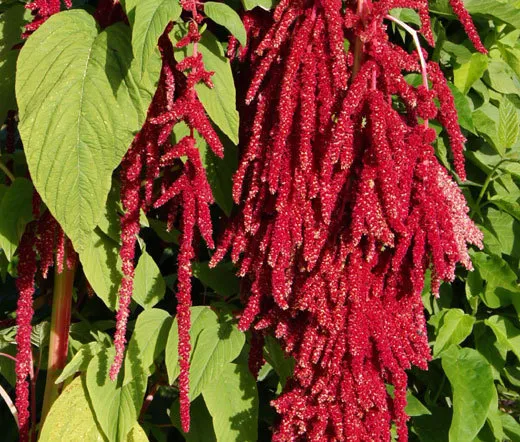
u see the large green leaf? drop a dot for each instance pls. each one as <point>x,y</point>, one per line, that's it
<point>454,326</point>
<point>473,390</point>
<point>80,106</point>
<point>213,346</point>
<point>468,73</point>
<point>148,341</point>
<point>508,124</point>
<point>102,267</point>
<point>233,404</point>
<point>80,360</point>
<point>116,407</point>
<point>201,317</point>
<point>226,16</point>
<point>71,418</point>
<point>219,101</point>
<point>16,212</point>
<point>508,335</point>
<point>11,27</point>
<point>149,21</point>
<point>149,285</point>
<point>221,279</point>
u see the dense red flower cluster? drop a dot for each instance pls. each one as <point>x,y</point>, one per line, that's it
<point>343,206</point>
<point>42,10</point>
<point>42,246</point>
<point>183,188</point>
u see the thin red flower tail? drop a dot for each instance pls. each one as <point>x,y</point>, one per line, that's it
<point>467,23</point>
<point>24,313</point>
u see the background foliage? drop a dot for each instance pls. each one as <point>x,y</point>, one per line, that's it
<point>80,128</point>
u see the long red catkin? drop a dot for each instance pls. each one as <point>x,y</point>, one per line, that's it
<point>343,207</point>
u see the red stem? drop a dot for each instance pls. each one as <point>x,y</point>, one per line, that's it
<point>59,335</point>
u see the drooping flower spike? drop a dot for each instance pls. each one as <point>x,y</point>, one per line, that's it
<point>183,189</point>
<point>342,207</point>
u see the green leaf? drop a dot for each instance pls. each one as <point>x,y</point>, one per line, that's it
<point>508,335</point>
<point>40,334</point>
<point>500,279</point>
<point>224,15</point>
<point>233,404</point>
<point>149,22</point>
<point>201,426</point>
<point>221,279</point>
<point>80,107</point>
<point>507,203</point>
<point>11,28</point>
<point>434,427</point>
<point>463,110</point>
<point>220,101</point>
<point>276,357</point>
<point>116,407</point>
<point>202,317</point>
<point>508,124</point>
<point>102,267</point>
<point>468,73</point>
<point>473,391</point>
<point>70,417</point>
<point>485,119</point>
<point>454,326</point>
<point>148,341</point>
<point>213,346</point>
<point>16,210</point>
<point>149,285</point>
<point>500,77</point>
<point>267,5</point>
<point>80,360</point>
<point>511,427</point>
<point>414,406</point>
<point>505,228</point>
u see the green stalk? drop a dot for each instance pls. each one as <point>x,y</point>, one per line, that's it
<point>59,334</point>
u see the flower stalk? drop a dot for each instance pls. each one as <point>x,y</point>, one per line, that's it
<point>59,333</point>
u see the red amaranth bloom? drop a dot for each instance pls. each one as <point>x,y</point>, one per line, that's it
<point>24,313</point>
<point>343,206</point>
<point>184,190</point>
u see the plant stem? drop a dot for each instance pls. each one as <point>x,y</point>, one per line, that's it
<point>6,170</point>
<point>9,403</point>
<point>358,44</point>
<point>59,334</point>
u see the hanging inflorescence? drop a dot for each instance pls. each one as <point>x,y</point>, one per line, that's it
<point>343,207</point>
<point>183,189</point>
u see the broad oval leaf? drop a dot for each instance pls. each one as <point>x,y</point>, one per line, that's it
<point>16,210</point>
<point>80,107</point>
<point>473,391</point>
<point>147,342</point>
<point>201,317</point>
<point>233,404</point>
<point>149,285</point>
<point>454,327</point>
<point>116,407</point>
<point>149,21</point>
<point>80,360</point>
<point>226,16</point>
<point>102,267</point>
<point>70,417</point>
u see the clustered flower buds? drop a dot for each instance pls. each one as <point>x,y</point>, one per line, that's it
<point>342,207</point>
<point>183,188</point>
